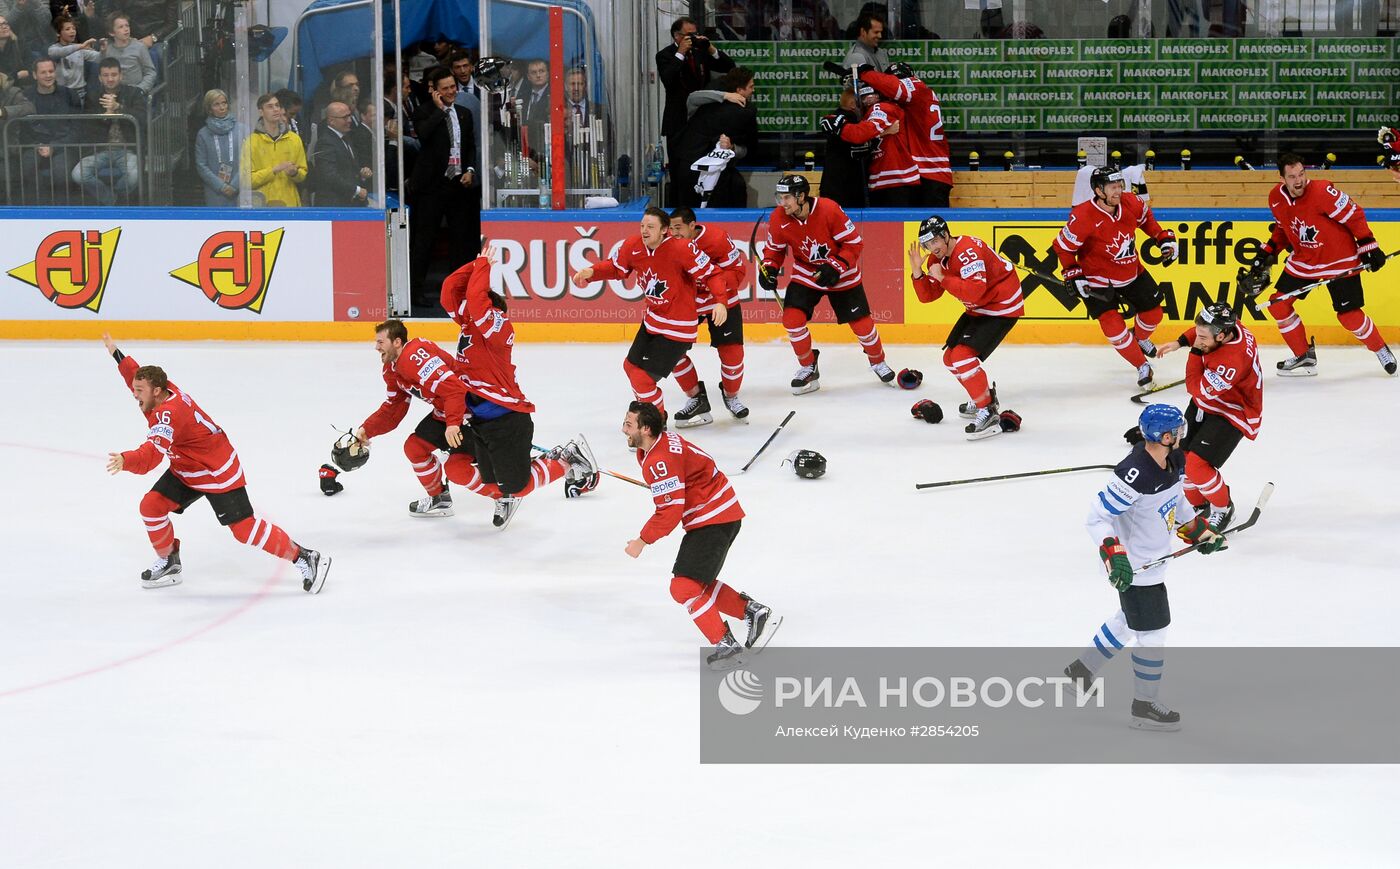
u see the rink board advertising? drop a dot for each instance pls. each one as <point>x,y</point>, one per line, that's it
<point>990,85</point>
<point>538,257</point>
<point>258,270</point>
<point>1013,705</point>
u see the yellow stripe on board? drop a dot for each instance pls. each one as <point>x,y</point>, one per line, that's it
<point>1026,332</point>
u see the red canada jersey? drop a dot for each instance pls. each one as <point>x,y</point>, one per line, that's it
<point>1227,381</point>
<point>199,451</point>
<point>670,277</point>
<point>979,277</point>
<point>922,129</point>
<point>1102,242</point>
<point>827,235</point>
<point>891,162</point>
<point>488,337</point>
<point>689,490</point>
<point>424,370</point>
<point>729,265</point>
<point>1320,227</point>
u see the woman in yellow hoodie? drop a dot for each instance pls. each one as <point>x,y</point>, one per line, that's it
<point>274,158</point>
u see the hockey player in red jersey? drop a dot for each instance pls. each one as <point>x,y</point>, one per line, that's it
<point>728,339</point>
<point>825,249</point>
<point>500,414</point>
<point>1227,403</point>
<point>894,175</point>
<point>203,464</point>
<point>1329,240</point>
<point>921,129</point>
<point>987,285</point>
<point>691,492</point>
<point>670,270</point>
<point>1100,262</point>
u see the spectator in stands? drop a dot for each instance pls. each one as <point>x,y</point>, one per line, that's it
<point>32,24</point>
<point>216,151</point>
<point>866,50</point>
<point>390,163</point>
<point>72,57</point>
<point>113,173</point>
<point>135,57</point>
<point>685,66</point>
<point>910,23</point>
<point>13,60</point>
<point>468,92</point>
<point>80,13</point>
<point>442,184</point>
<point>153,19</point>
<point>535,110</point>
<point>337,179</point>
<point>730,124</point>
<point>13,102</point>
<point>290,101</point>
<point>44,160</point>
<point>274,159</point>
<point>346,89</point>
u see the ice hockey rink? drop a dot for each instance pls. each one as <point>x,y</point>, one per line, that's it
<point>462,696</point>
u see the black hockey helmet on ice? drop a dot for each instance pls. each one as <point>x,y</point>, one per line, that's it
<point>809,464</point>
<point>1219,318</point>
<point>1104,175</point>
<point>794,184</point>
<point>900,70</point>
<point>348,453</point>
<point>932,227</point>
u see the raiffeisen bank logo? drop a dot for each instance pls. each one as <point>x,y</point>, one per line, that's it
<point>740,692</point>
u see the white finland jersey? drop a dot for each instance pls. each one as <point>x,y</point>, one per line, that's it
<point>1139,505</point>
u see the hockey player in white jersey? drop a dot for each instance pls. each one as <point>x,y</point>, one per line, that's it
<point>1132,520</point>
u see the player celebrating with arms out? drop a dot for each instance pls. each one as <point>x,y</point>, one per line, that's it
<point>670,271</point>
<point>203,464</point>
<point>691,492</point>
<point>1227,403</point>
<point>1132,520</point>
<point>1100,262</point>
<point>727,339</point>
<point>825,248</point>
<point>987,285</point>
<point>1330,241</point>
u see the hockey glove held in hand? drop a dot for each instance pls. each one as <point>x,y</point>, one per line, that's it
<point>1167,244</point>
<point>1115,561</point>
<point>1370,253</point>
<point>768,277</point>
<point>1255,279</point>
<point>832,124</point>
<point>827,274</point>
<point>329,484</point>
<point>1198,530</point>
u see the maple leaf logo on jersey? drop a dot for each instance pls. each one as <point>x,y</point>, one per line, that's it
<point>1121,248</point>
<point>655,287</point>
<point>1306,233</point>
<point>815,251</point>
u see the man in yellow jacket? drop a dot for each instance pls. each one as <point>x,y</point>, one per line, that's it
<point>274,157</point>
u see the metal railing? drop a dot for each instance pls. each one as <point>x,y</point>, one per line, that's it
<point>170,103</point>
<point>88,169</point>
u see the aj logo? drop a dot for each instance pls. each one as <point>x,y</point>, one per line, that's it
<point>234,268</point>
<point>70,267</point>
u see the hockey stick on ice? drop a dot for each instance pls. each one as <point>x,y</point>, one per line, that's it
<point>1014,476</point>
<point>1246,524</point>
<point>785,421</point>
<point>1141,397</point>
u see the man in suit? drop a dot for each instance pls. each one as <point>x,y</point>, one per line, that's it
<point>534,103</point>
<point>685,66</point>
<point>443,183</point>
<point>728,124</point>
<point>337,179</point>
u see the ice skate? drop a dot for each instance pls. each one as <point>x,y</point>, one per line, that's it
<point>987,423</point>
<point>755,619</point>
<point>696,411</point>
<point>506,505</point>
<point>1082,679</point>
<point>736,407</point>
<point>1151,715</point>
<point>1387,358</point>
<point>314,567</point>
<point>1144,375</point>
<point>968,409</point>
<point>1305,365</point>
<point>164,571</point>
<point>1220,517</point>
<point>582,475</point>
<point>432,505</point>
<point>726,653</point>
<point>1147,347</point>
<point>808,377</point>
<point>884,372</point>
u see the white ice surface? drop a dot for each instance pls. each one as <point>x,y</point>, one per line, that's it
<point>460,696</point>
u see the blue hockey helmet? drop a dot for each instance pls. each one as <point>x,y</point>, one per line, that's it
<point>1160,420</point>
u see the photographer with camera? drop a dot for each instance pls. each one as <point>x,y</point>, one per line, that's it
<point>685,66</point>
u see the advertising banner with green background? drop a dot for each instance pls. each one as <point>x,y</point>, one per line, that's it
<point>1101,85</point>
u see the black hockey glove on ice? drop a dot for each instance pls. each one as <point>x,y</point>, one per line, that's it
<point>329,484</point>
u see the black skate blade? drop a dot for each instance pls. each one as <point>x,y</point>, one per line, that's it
<point>1140,398</point>
<point>774,622</point>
